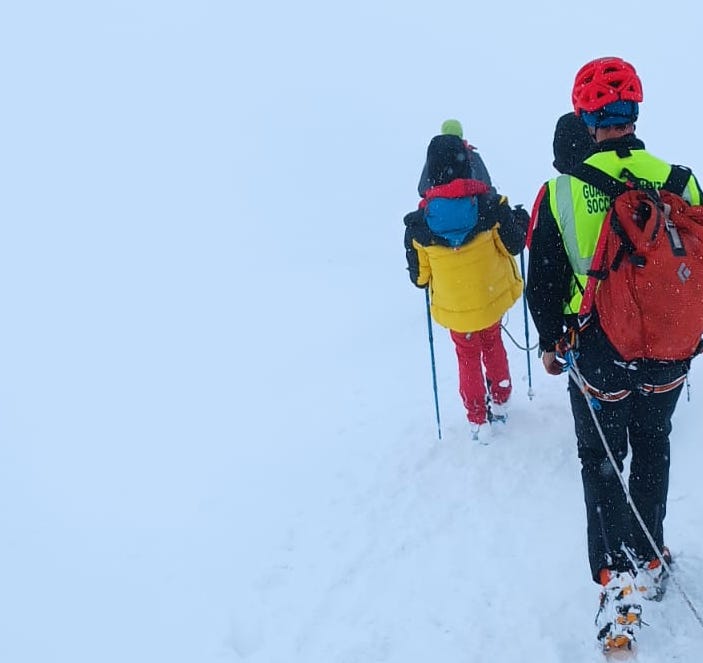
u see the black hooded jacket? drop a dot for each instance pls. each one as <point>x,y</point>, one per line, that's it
<point>572,142</point>
<point>476,169</point>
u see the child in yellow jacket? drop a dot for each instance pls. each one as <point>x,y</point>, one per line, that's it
<point>459,243</point>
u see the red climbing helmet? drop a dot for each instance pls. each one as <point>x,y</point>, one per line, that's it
<point>604,80</point>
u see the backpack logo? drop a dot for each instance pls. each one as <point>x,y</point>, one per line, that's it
<point>683,272</point>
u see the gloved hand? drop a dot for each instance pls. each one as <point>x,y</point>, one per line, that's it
<point>557,361</point>
<point>521,216</point>
<point>551,364</point>
<point>491,203</point>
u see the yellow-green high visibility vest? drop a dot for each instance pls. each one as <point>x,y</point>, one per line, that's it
<point>580,208</point>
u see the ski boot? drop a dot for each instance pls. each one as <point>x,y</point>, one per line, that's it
<point>653,577</point>
<point>620,614</point>
<point>480,432</point>
<point>497,413</point>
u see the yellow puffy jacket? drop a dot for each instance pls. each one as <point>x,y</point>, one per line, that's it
<point>471,286</point>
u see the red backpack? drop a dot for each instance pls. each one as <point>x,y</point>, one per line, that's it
<point>646,276</point>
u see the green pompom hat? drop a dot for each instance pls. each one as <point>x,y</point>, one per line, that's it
<point>453,128</point>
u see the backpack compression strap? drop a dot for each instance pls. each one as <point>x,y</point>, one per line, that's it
<point>597,178</point>
<point>612,188</point>
<point>677,180</point>
<point>675,183</point>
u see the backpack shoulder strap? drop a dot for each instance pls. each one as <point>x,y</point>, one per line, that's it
<point>597,178</point>
<point>677,180</point>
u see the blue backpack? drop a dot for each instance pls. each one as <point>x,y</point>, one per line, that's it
<point>452,219</point>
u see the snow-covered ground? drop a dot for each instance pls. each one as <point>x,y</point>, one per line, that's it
<point>217,431</point>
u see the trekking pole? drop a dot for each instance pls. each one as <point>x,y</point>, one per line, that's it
<point>530,392</point>
<point>434,371</point>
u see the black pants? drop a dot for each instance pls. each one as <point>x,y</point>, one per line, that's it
<point>641,421</point>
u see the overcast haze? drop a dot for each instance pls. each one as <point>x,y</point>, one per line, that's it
<point>217,436</point>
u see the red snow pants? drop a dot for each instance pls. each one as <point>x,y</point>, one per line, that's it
<point>478,352</point>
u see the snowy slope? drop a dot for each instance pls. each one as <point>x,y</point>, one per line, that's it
<point>217,432</point>
<point>417,549</point>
